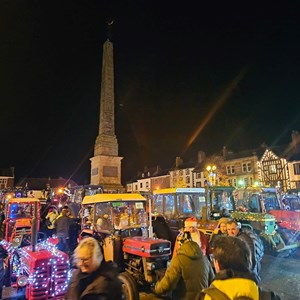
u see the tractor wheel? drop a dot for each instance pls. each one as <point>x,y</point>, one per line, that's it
<point>130,290</point>
<point>289,238</point>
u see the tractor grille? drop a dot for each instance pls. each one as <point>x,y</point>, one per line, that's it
<point>49,281</point>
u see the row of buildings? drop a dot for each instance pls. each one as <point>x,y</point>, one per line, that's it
<point>277,166</point>
<point>267,166</point>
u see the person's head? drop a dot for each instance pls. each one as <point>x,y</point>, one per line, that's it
<point>88,255</point>
<point>233,228</point>
<point>190,224</point>
<point>223,225</point>
<point>231,253</point>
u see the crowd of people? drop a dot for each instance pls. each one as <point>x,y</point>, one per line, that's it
<point>224,266</point>
<point>63,226</point>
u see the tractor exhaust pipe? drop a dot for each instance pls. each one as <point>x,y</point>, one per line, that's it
<point>34,228</point>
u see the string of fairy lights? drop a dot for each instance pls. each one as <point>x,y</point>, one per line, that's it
<point>46,269</point>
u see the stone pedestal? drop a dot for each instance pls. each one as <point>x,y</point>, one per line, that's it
<point>106,171</point>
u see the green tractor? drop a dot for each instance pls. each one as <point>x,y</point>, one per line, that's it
<point>253,207</point>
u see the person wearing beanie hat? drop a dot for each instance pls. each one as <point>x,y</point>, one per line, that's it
<point>197,236</point>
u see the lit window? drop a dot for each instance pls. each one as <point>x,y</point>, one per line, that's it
<point>272,169</point>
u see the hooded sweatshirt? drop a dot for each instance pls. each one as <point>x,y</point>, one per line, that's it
<point>189,272</point>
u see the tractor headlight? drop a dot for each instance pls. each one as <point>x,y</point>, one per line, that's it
<point>266,227</point>
<point>151,266</point>
<point>17,240</point>
<point>22,281</point>
<point>216,215</point>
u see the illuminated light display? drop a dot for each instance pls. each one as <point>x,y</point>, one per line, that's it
<point>47,270</point>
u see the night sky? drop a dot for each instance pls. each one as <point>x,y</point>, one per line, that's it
<point>189,76</point>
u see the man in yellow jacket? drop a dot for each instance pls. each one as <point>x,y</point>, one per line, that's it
<point>232,261</point>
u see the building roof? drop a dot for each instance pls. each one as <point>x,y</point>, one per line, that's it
<point>42,183</point>
<point>7,172</point>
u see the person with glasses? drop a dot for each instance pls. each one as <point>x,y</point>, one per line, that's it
<point>94,278</point>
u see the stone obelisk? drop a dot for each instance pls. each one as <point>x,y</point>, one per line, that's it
<point>106,164</point>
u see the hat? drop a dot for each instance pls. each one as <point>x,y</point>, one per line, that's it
<point>190,222</point>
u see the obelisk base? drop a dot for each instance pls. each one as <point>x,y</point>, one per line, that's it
<point>106,171</point>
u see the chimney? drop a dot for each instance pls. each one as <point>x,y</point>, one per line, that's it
<point>225,152</point>
<point>201,156</point>
<point>295,141</point>
<point>178,161</point>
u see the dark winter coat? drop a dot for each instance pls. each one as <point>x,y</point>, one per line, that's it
<point>103,284</point>
<point>189,272</point>
<point>62,225</point>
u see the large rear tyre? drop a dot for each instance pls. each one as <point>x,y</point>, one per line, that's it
<point>129,286</point>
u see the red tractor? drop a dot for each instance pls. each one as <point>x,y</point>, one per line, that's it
<point>288,218</point>
<point>35,265</point>
<point>119,222</point>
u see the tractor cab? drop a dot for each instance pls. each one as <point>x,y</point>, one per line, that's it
<point>207,205</point>
<point>18,214</point>
<point>119,222</point>
<point>291,200</point>
<point>256,200</point>
<point>107,215</point>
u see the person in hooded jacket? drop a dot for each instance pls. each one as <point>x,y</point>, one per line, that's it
<point>188,271</point>
<point>95,279</point>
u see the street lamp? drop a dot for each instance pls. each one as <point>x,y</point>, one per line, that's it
<point>212,174</point>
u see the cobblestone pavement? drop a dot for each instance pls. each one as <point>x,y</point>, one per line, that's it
<point>281,275</point>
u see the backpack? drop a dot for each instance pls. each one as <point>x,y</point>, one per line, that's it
<point>216,294</point>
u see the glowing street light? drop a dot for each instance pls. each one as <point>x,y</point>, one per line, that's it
<point>211,169</point>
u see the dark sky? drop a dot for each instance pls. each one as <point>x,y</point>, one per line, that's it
<point>189,76</point>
